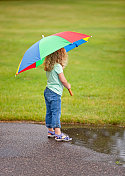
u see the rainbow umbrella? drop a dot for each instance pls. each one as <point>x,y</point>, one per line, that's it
<point>36,54</point>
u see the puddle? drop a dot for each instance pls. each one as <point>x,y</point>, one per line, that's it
<point>108,140</point>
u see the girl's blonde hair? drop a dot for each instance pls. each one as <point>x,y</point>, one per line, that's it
<point>60,56</point>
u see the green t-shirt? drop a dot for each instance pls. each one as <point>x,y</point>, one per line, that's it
<point>53,82</point>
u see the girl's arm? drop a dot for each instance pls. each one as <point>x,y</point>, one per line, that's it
<point>64,81</point>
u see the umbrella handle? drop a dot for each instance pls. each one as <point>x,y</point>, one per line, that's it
<point>70,92</point>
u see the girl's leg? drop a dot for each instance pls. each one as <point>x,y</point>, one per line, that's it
<point>48,111</point>
<point>56,113</point>
<point>50,129</point>
<point>48,116</point>
<point>57,131</point>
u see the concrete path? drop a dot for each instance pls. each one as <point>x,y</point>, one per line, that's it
<point>25,150</point>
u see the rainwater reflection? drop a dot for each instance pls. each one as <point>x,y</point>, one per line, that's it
<point>108,140</point>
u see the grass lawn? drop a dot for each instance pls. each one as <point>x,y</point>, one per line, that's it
<point>96,70</point>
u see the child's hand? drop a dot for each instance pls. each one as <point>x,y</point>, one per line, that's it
<point>69,86</point>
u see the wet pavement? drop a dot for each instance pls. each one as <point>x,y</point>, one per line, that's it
<point>25,150</point>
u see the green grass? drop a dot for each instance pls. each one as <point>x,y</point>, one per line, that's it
<point>96,70</point>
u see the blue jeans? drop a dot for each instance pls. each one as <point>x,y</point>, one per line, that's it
<point>53,108</point>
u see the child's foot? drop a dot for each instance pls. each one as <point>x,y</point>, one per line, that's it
<point>51,134</point>
<point>62,137</point>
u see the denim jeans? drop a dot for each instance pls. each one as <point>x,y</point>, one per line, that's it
<point>53,108</point>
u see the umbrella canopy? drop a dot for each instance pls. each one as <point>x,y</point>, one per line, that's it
<point>36,54</point>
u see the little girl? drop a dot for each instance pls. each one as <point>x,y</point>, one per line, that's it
<point>54,65</point>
